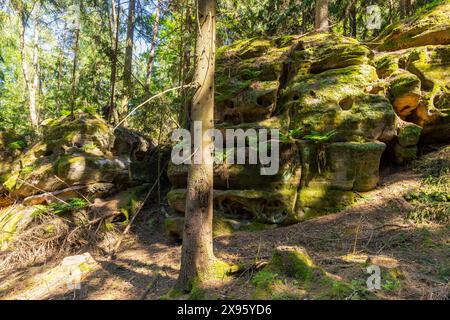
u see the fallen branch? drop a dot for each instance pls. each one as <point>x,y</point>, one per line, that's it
<point>249,268</point>
<point>43,191</point>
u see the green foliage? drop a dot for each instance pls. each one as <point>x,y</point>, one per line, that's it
<point>391,285</point>
<point>71,205</point>
<point>17,145</point>
<point>432,201</point>
<point>320,137</point>
<point>264,279</point>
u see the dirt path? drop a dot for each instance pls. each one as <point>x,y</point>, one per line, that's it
<point>340,243</point>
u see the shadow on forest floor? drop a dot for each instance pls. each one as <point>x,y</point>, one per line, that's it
<point>340,243</point>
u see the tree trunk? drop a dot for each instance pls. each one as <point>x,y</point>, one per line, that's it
<point>73,99</point>
<point>151,56</point>
<point>402,8</point>
<point>31,78</point>
<point>321,16</point>
<point>127,68</point>
<point>353,24</point>
<point>115,44</point>
<point>408,6</point>
<point>34,85</point>
<point>197,258</point>
<point>186,63</point>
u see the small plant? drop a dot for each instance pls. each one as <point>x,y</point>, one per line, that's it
<point>391,285</point>
<point>264,279</point>
<point>71,205</point>
<point>89,146</point>
<point>320,137</point>
<point>17,145</point>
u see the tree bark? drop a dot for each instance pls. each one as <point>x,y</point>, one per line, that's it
<point>321,15</point>
<point>73,99</point>
<point>197,258</point>
<point>127,68</point>
<point>112,114</point>
<point>353,24</point>
<point>408,7</point>
<point>405,6</point>
<point>31,77</point>
<point>186,63</point>
<point>151,56</point>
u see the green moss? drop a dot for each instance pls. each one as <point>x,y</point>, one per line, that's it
<point>387,65</point>
<point>403,83</point>
<point>17,145</point>
<point>424,28</point>
<point>404,154</point>
<point>293,266</point>
<point>11,181</point>
<point>409,135</point>
<point>132,201</point>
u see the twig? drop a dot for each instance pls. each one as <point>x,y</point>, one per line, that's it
<point>76,191</point>
<point>150,286</point>
<point>191,85</point>
<point>39,189</point>
<point>128,227</point>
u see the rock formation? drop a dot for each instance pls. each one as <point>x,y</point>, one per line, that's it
<point>339,104</point>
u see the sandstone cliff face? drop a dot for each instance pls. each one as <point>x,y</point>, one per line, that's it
<point>339,105</point>
<point>76,160</point>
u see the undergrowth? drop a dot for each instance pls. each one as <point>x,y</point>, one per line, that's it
<point>431,202</point>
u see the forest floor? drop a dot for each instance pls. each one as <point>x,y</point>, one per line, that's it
<point>375,228</point>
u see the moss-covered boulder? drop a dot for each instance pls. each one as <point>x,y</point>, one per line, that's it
<point>340,100</point>
<point>174,226</point>
<point>291,274</point>
<point>270,206</point>
<point>405,92</point>
<point>408,134</point>
<point>404,154</point>
<point>431,27</point>
<point>332,172</point>
<point>14,219</point>
<point>78,151</point>
<point>338,105</point>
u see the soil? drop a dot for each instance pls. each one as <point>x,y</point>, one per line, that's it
<point>374,229</point>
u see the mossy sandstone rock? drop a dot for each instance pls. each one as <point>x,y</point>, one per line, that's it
<point>291,274</point>
<point>341,104</point>
<point>79,151</point>
<point>432,27</point>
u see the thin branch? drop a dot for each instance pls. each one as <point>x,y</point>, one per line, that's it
<point>191,85</point>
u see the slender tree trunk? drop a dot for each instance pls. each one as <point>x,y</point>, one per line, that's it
<point>408,7</point>
<point>35,84</point>
<point>151,56</point>
<point>127,68</point>
<point>321,16</point>
<point>197,258</point>
<point>31,78</point>
<point>353,24</point>
<point>60,62</point>
<point>186,63</point>
<point>112,114</point>
<point>402,8</point>
<point>73,99</point>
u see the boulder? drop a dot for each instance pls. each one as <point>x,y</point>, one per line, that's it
<point>404,91</point>
<point>80,153</point>
<point>430,28</point>
<point>339,107</point>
